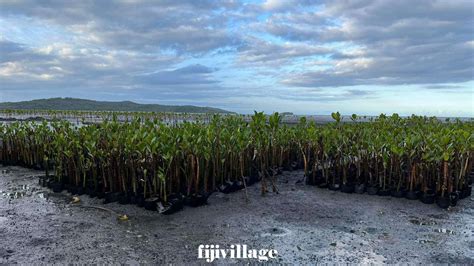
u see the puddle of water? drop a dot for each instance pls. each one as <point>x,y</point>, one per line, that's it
<point>444,231</point>
<point>22,191</point>
<point>427,241</point>
<point>16,194</point>
<point>422,222</point>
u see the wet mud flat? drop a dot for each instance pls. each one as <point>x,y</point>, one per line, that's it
<point>303,223</point>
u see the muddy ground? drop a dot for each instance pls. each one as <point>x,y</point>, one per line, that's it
<point>304,224</point>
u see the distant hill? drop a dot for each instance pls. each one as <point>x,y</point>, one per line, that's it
<point>91,105</point>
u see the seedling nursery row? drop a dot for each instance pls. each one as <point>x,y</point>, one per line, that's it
<point>162,166</point>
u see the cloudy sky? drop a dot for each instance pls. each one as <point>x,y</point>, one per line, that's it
<point>308,57</point>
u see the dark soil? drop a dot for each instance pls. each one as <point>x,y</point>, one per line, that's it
<point>304,224</point>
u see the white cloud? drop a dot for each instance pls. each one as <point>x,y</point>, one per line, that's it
<point>11,68</point>
<point>276,4</point>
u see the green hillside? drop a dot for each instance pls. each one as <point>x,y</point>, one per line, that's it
<point>91,105</point>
